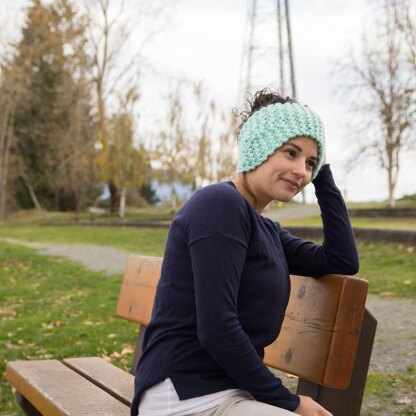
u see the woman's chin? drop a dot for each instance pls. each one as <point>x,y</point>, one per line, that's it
<point>284,198</point>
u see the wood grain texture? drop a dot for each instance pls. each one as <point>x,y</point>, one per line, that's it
<point>105,375</point>
<point>138,289</point>
<point>56,390</point>
<point>321,329</point>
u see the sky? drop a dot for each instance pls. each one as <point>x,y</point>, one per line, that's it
<point>203,41</point>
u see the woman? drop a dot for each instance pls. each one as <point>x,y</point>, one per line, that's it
<point>225,284</point>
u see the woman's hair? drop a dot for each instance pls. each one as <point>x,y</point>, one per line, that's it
<point>260,99</point>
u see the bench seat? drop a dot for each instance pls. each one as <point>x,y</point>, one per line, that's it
<point>56,390</point>
<point>105,375</point>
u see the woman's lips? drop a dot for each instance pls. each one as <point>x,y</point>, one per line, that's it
<point>291,183</point>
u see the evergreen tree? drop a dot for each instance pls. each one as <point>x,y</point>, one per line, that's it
<point>52,122</point>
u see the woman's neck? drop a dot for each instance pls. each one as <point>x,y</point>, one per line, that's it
<point>254,201</point>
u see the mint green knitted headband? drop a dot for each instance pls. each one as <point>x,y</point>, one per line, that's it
<point>271,127</point>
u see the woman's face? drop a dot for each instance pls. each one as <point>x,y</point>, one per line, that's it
<point>286,172</point>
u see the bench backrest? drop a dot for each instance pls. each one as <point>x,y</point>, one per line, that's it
<point>320,332</point>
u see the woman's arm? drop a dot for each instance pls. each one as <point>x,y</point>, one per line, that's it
<point>217,264</point>
<point>218,232</point>
<point>338,253</point>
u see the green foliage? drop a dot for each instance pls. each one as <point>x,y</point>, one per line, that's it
<point>149,193</point>
<point>52,121</point>
<point>411,197</point>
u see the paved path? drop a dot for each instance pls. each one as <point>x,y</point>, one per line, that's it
<point>298,211</point>
<point>103,259</point>
<point>395,344</point>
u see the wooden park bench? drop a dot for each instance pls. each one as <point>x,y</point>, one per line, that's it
<point>326,340</point>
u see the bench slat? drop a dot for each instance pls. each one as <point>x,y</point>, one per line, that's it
<point>138,289</point>
<point>105,375</point>
<point>321,329</point>
<point>56,390</point>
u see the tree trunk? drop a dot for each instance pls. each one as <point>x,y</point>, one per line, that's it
<point>122,207</point>
<point>391,201</point>
<point>114,197</point>
<point>33,195</point>
<point>6,141</point>
<point>173,199</point>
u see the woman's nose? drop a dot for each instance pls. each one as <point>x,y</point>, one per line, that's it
<point>299,169</point>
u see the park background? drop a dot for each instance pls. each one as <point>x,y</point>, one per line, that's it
<point>122,132</point>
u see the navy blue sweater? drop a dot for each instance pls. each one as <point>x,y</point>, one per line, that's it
<point>224,288</point>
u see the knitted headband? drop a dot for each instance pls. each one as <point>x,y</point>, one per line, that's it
<point>271,127</point>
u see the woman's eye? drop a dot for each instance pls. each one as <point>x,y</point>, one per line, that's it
<point>311,164</point>
<point>291,153</point>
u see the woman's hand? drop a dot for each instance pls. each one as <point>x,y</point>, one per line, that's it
<point>308,407</point>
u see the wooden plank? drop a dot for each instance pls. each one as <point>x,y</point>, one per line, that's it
<point>56,390</point>
<point>346,333</point>
<point>105,375</point>
<point>137,293</point>
<point>321,329</point>
<point>346,402</point>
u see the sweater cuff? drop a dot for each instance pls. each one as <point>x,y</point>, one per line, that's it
<point>294,402</point>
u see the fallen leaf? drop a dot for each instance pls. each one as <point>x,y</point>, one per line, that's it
<point>127,350</point>
<point>386,294</point>
<point>404,400</point>
<point>106,358</point>
<point>7,311</point>
<point>9,345</point>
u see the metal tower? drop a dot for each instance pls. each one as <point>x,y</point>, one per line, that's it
<point>267,59</point>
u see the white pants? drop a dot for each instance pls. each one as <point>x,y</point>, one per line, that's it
<point>241,406</point>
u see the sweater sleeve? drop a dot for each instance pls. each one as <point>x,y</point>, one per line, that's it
<point>218,241</point>
<point>338,252</point>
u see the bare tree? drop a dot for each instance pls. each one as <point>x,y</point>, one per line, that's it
<point>172,145</point>
<point>406,24</point>
<point>382,91</point>
<point>213,140</point>
<point>118,60</point>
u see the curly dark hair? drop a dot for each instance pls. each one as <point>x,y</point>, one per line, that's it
<point>260,99</point>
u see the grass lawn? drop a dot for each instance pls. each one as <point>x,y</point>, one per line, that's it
<point>389,268</point>
<point>394,391</point>
<point>391,223</point>
<point>135,240</point>
<point>52,308</point>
